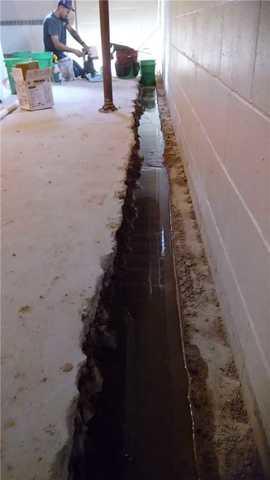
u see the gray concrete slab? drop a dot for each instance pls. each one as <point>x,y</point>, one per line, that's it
<point>61,171</point>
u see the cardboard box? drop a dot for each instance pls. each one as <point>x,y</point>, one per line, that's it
<point>27,66</point>
<point>34,88</point>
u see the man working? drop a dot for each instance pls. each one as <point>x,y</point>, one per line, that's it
<point>55,27</point>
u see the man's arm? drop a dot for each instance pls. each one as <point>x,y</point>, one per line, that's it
<point>76,36</point>
<point>64,48</point>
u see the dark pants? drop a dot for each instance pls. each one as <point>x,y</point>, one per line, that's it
<point>78,70</point>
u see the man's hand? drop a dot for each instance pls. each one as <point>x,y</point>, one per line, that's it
<point>79,53</point>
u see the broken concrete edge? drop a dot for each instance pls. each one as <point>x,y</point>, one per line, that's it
<point>188,343</point>
<point>60,469</point>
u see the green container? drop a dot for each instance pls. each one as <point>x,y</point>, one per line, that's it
<point>148,80</point>
<point>44,59</point>
<point>148,77</point>
<point>147,65</point>
<point>10,64</point>
<point>26,54</point>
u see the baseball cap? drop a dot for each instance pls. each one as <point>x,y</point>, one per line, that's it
<point>66,4</point>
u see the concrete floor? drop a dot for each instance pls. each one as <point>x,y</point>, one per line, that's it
<point>61,173</point>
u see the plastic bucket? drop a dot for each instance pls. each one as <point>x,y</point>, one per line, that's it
<point>147,65</point>
<point>66,68</point>
<point>148,81</point>
<point>126,56</point>
<point>130,70</point>
<point>148,77</point>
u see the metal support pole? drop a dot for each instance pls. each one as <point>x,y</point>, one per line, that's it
<point>106,54</point>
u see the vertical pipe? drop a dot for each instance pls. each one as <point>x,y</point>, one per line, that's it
<point>105,40</point>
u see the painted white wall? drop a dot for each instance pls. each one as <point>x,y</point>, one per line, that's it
<point>217,75</point>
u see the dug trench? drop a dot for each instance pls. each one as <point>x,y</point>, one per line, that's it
<point>147,405</point>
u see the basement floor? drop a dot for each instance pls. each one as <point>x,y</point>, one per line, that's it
<point>62,176</point>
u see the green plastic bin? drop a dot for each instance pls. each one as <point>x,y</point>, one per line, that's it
<point>44,59</point>
<point>148,77</point>
<point>10,64</point>
<point>25,54</point>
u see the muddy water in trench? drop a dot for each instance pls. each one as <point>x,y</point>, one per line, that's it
<point>157,415</point>
<point>133,420</point>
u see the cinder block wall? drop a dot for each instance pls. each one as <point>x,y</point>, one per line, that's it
<point>217,76</point>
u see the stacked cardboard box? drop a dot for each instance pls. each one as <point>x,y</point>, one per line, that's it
<point>34,89</point>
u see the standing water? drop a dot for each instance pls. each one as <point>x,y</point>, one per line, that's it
<point>134,421</point>
<point>158,418</point>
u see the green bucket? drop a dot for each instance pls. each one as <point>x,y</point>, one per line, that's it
<point>148,77</point>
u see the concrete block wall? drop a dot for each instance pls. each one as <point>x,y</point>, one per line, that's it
<point>217,77</point>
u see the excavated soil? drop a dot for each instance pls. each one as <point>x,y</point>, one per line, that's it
<point>224,439</point>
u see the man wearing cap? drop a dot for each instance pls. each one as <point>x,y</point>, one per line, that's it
<point>55,27</point>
